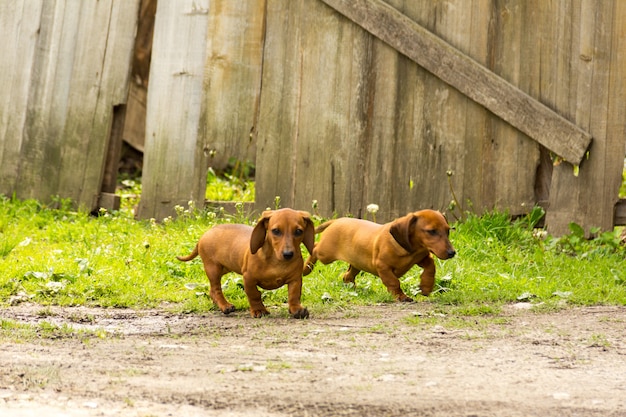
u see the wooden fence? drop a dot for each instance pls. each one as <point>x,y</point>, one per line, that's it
<point>403,103</point>
<point>65,67</point>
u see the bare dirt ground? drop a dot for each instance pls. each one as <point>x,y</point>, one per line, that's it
<point>365,361</point>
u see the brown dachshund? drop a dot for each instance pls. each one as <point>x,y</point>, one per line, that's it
<point>387,250</point>
<point>268,256</point>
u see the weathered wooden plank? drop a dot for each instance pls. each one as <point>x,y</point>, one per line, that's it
<point>418,121</point>
<point>42,150</point>
<point>174,159</point>
<point>78,70</point>
<point>232,85</point>
<point>100,74</point>
<point>599,62</point>
<point>277,109</point>
<point>19,26</point>
<point>473,178</point>
<point>311,142</point>
<point>500,97</point>
<point>514,56</point>
<point>82,86</point>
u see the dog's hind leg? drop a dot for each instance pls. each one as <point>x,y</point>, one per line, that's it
<point>214,273</point>
<point>309,264</point>
<point>350,275</point>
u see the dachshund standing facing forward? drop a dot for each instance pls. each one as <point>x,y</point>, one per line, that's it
<point>268,256</point>
<point>387,250</point>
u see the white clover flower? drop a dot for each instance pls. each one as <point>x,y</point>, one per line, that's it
<point>372,208</point>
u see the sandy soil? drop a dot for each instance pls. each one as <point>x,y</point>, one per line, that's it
<point>360,362</point>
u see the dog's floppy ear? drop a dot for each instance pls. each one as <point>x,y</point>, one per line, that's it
<point>402,230</point>
<point>258,233</point>
<point>309,231</point>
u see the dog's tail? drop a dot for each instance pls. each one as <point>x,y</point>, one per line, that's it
<point>323,226</point>
<point>190,256</point>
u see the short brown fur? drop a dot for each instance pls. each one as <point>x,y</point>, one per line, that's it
<point>268,256</point>
<point>387,250</point>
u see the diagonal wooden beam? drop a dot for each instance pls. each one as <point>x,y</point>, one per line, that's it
<point>469,77</point>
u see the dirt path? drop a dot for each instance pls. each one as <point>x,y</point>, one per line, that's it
<point>361,362</point>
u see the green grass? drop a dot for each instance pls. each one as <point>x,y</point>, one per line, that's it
<point>56,256</point>
<point>229,187</point>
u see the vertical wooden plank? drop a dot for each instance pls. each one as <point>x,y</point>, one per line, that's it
<point>616,111</point>
<point>472,177</point>
<point>589,198</point>
<point>19,27</point>
<point>313,110</point>
<point>540,46</point>
<point>386,100</point>
<point>278,104</point>
<point>513,156</point>
<point>332,120</point>
<point>47,103</point>
<point>232,84</point>
<point>173,158</point>
<point>100,75</point>
<point>438,147</point>
<point>81,65</point>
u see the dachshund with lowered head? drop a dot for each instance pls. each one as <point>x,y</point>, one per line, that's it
<point>268,256</point>
<point>387,250</point>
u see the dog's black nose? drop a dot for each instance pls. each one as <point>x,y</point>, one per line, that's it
<point>288,255</point>
<point>451,253</point>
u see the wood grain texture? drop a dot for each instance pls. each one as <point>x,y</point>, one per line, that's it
<point>76,65</point>
<point>500,97</point>
<point>232,80</point>
<point>589,199</point>
<point>18,49</point>
<point>174,161</point>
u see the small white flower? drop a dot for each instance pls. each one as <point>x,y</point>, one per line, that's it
<point>372,208</point>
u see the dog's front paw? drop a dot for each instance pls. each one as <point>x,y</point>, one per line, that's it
<point>257,314</point>
<point>302,313</point>
<point>403,298</point>
<point>228,309</point>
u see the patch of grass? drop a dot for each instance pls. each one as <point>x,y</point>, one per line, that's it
<point>456,318</point>
<point>15,331</point>
<point>229,187</point>
<point>599,340</point>
<point>63,257</point>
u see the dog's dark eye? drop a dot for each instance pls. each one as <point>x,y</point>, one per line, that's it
<point>298,232</point>
<point>432,232</point>
<point>276,232</point>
